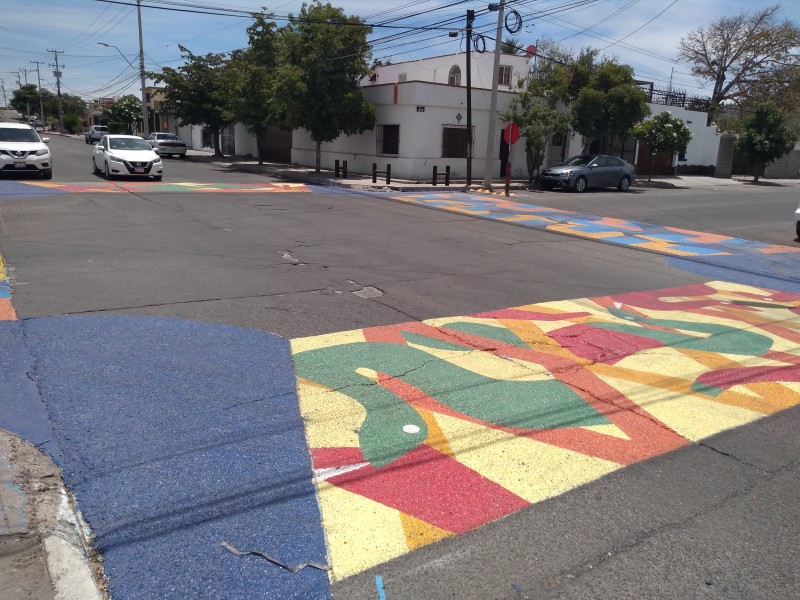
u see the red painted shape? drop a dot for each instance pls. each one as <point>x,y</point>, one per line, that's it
<point>601,345</point>
<point>525,315</point>
<point>434,488</point>
<point>331,458</point>
<point>727,378</point>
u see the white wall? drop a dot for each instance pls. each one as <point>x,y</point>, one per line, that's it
<point>244,141</point>
<point>437,70</point>
<point>420,145</point>
<point>703,148</point>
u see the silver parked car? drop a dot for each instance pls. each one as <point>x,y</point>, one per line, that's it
<point>23,151</point>
<point>589,170</point>
<point>167,143</point>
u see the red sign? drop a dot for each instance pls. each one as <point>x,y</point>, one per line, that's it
<point>530,51</point>
<point>511,133</point>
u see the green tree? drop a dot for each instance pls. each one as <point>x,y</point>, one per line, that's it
<point>662,133</point>
<point>196,92</point>
<point>746,56</point>
<point>537,121</point>
<point>127,109</point>
<point>764,137</point>
<point>609,105</point>
<point>250,78</point>
<point>324,56</point>
<point>24,99</point>
<point>511,46</point>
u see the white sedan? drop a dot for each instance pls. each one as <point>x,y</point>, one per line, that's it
<point>126,155</point>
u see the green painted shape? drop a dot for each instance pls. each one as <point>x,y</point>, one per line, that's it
<point>708,390</point>
<point>722,339</point>
<point>519,404</point>
<point>500,334</point>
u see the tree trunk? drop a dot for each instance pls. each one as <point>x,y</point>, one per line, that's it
<point>652,166</point>
<point>259,146</point>
<point>318,156</point>
<point>217,142</point>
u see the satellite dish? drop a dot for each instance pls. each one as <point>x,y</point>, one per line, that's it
<point>530,51</point>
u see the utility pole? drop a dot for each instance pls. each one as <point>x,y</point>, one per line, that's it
<point>41,101</point>
<point>491,130</point>
<point>57,75</point>
<point>27,103</point>
<point>145,124</point>
<point>3,87</point>
<point>470,20</point>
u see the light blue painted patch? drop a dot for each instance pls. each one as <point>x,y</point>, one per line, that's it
<point>698,250</point>
<point>5,290</point>
<point>14,190</point>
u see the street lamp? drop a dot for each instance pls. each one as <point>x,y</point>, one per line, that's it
<point>145,127</point>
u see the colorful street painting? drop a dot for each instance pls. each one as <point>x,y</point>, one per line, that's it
<point>645,236</point>
<point>7,312</point>
<point>426,430</point>
<point>121,187</point>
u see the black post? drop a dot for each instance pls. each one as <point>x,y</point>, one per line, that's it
<point>447,175</point>
<point>435,169</point>
<point>470,19</point>
<point>344,169</point>
<point>374,172</point>
<point>336,168</point>
<point>388,174</point>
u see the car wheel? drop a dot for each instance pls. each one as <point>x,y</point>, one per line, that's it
<point>580,184</point>
<point>797,229</point>
<point>47,174</point>
<point>181,156</point>
<point>107,172</point>
<point>624,184</point>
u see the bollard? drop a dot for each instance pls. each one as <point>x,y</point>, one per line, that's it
<point>344,169</point>
<point>447,175</point>
<point>388,174</point>
<point>374,172</point>
<point>336,168</point>
<point>435,168</point>
<point>508,178</point>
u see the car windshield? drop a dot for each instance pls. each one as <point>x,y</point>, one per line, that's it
<point>18,134</point>
<point>128,144</point>
<point>579,161</point>
<point>168,136</point>
<point>101,128</point>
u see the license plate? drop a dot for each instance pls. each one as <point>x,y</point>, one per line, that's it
<point>19,165</point>
<point>138,170</point>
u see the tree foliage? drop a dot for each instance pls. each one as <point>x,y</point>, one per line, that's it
<point>127,109</point>
<point>324,56</point>
<point>250,78</point>
<point>26,98</point>
<point>537,121</point>
<point>511,46</point>
<point>748,57</point>
<point>610,104</point>
<point>663,133</point>
<point>196,92</point>
<point>764,137</point>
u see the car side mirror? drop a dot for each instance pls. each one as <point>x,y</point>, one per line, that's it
<point>46,140</point>
<point>99,146</point>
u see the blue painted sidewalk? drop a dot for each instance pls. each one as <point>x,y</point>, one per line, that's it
<point>175,436</point>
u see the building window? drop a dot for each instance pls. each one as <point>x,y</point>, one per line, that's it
<point>505,75</point>
<point>455,140</point>
<point>401,78</point>
<point>558,139</point>
<point>455,76</point>
<point>387,138</point>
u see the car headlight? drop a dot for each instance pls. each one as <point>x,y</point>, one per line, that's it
<point>42,152</point>
<point>156,160</point>
<point>566,173</point>
<point>113,158</point>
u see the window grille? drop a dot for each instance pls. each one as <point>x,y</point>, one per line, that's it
<point>401,77</point>
<point>455,76</point>
<point>505,75</point>
<point>455,140</point>
<point>387,140</point>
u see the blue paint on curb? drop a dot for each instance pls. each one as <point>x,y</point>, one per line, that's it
<point>174,436</point>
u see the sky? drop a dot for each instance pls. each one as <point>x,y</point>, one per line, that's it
<point>642,33</point>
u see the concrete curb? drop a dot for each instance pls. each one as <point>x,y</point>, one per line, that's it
<point>47,513</point>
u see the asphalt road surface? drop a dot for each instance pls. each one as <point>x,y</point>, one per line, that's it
<point>714,519</point>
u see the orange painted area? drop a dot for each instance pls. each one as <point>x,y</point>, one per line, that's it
<point>7,312</point>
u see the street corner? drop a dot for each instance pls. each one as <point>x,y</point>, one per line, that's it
<point>175,437</point>
<point>423,431</point>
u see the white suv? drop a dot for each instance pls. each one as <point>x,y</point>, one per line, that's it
<point>23,151</point>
